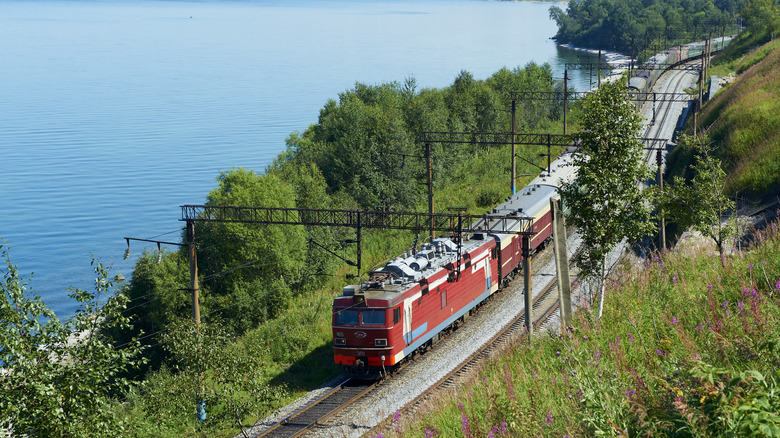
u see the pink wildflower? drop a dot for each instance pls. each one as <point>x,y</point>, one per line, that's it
<point>464,421</point>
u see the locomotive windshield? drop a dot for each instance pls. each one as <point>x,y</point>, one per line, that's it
<point>347,317</point>
<point>373,317</point>
<point>369,317</point>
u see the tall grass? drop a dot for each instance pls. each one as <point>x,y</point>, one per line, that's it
<point>684,348</point>
<point>743,120</point>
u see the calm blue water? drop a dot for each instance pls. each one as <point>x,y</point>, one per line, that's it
<point>115,113</point>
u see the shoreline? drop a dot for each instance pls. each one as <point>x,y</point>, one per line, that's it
<point>609,57</point>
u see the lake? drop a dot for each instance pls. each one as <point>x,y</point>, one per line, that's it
<point>114,113</point>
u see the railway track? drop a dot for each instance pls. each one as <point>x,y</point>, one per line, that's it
<point>545,304</point>
<point>662,121</point>
<point>343,395</point>
<point>515,330</point>
<point>299,422</point>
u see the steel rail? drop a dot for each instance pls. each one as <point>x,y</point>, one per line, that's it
<point>306,406</point>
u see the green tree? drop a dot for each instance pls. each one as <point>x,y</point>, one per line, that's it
<point>311,192</point>
<point>532,77</point>
<point>760,15</point>
<point>241,264</point>
<point>425,110</point>
<point>156,297</point>
<point>231,383</point>
<point>58,377</point>
<point>605,200</point>
<point>702,203</point>
<point>361,138</point>
<point>248,272</point>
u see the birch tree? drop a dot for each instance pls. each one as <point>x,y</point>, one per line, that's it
<point>605,200</point>
<point>58,377</point>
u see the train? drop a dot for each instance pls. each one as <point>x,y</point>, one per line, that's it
<point>407,305</point>
<point>645,76</point>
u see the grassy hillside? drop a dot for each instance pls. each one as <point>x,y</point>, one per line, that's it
<point>685,348</point>
<point>742,120</point>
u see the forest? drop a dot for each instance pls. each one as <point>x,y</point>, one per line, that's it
<point>642,27</point>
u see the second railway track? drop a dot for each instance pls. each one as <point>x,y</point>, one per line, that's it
<point>299,422</point>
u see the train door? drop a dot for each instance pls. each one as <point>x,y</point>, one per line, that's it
<point>408,321</point>
<point>488,275</point>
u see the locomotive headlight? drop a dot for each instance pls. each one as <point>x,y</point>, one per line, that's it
<point>380,342</point>
<point>339,341</point>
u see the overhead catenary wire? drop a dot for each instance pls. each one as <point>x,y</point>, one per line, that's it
<point>214,311</point>
<point>165,234</point>
<point>143,304</point>
<point>159,332</point>
<point>145,336</point>
<point>234,240</point>
<point>205,279</point>
<point>210,277</point>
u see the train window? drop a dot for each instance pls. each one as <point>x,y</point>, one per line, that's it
<point>396,315</point>
<point>444,299</point>
<point>373,317</point>
<point>347,317</point>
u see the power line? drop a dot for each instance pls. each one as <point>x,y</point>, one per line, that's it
<point>142,304</point>
<point>226,271</point>
<point>165,234</point>
<point>148,335</point>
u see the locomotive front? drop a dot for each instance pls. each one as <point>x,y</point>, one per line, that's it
<point>362,332</point>
<point>405,306</point>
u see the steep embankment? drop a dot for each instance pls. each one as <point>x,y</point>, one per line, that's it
<point>744,122</point>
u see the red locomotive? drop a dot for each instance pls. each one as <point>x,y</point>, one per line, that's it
<point>410,302</point>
